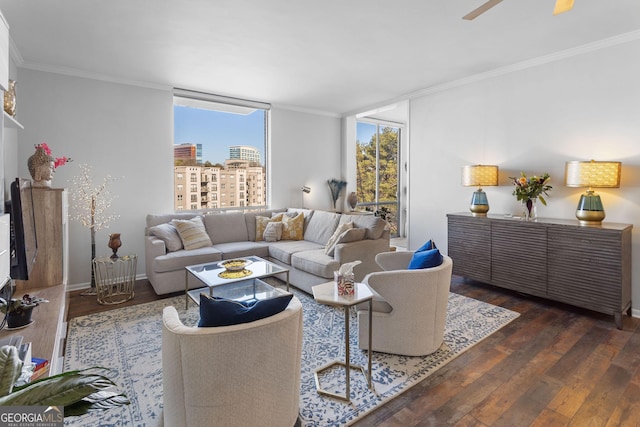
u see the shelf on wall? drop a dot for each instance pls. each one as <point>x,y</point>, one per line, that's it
<point>10,122</point>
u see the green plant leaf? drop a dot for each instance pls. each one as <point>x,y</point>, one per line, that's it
<point>544,202</point>
<point>60,390</point>
<point>99,401</point>
<point>10,368</point>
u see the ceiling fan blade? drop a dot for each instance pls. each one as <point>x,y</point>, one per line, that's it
<point>482,9</point>
<point>562,6</point>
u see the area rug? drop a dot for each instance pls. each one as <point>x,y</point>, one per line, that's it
<point>128,340</point>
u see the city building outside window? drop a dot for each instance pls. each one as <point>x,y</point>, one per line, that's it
<point>219,140</point>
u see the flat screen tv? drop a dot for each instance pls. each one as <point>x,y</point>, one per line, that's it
<point>24,245</point>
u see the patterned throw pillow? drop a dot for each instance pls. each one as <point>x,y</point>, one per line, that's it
<point>273,231</point>
<point>192,233</point>
<point>293,228</point>
<point>261,225</point>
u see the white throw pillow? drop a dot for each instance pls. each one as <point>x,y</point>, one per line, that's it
<point>351,235</point>
<point>169,235</point>
<point>336,235</point>
<point>273,232</point>
<point>192,233</point>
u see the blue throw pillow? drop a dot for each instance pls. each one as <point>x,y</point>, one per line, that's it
<point>216,311</point>
<point>425,259</point>
<point>429,245</point>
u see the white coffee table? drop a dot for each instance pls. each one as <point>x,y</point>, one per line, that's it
<point>327,293</point>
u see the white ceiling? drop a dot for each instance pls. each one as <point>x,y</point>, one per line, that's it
<point>335,56</point>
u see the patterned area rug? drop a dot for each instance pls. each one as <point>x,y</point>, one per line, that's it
<point>128,340</point>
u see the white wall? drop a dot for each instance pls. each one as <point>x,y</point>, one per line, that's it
<point>121,130</point>
<point>127,131</point>
<point>579,108</point>
<point>305,150</point>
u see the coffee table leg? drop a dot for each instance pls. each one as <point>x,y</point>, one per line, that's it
<point>186,289</point>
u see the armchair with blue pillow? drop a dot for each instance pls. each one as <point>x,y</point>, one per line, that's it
<point>410,302</point>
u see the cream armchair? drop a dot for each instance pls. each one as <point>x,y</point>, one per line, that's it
<point>410,308</point>
<point>240,375</point>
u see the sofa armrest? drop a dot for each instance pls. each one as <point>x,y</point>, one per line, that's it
<point>363,250</point>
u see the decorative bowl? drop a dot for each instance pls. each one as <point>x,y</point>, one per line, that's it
<point>238,264</point>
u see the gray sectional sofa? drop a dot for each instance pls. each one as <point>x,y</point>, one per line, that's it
<point>234,235</point>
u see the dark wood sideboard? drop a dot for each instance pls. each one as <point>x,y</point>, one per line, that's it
<point>561,260</point>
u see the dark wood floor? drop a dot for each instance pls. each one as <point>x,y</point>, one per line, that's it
<point>553,366</point>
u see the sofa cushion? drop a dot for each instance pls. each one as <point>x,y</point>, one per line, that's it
<point>321,227</point>
<point>192,233</point>
<point>180,259</point>
<point>273,232</point>
<point>425,259</point>
<point>293,227</point>
<point>348,236</point>
<point>341,228</point>
<point>226,227</point>
<point>240,249</point>
<point>283,249</point>
<point>250,221</point>
<point>315,262</point>
<point>169,235</point>
<point>216,311</point>
<point>374,225</point>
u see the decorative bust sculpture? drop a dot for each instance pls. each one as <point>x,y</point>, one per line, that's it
<point>41,167</point>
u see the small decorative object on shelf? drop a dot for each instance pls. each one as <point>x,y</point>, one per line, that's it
<point>10,99</point>
<point>352,200</point>
<point>114,244</point>
<point>527,190</point>
<point>19,311</point>
<point>42,165</point>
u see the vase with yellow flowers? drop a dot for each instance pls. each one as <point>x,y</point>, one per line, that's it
<point>529,189</point>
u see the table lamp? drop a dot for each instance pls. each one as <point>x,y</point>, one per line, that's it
<point>592,175</point>
<point>479,176</point>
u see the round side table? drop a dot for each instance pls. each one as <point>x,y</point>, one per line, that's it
<point>115,278</point>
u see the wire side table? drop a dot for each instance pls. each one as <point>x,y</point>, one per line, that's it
<point>115,278</point>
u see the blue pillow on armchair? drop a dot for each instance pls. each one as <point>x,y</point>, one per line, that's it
<point>426,256</point>
<point>216,311</point>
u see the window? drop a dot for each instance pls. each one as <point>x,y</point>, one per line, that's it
<point>377,172</point>
<point>218,139</point>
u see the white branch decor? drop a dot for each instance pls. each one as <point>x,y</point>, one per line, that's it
<point>91,207</point>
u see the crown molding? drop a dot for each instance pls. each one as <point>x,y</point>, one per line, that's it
<point>74,72</point>
<point>519,66</point>
<point>306,110</point>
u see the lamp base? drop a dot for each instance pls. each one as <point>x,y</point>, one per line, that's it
<point>590,210</point>
<point>479,203</point>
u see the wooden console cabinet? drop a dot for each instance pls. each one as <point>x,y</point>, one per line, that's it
<point>561,260</point>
